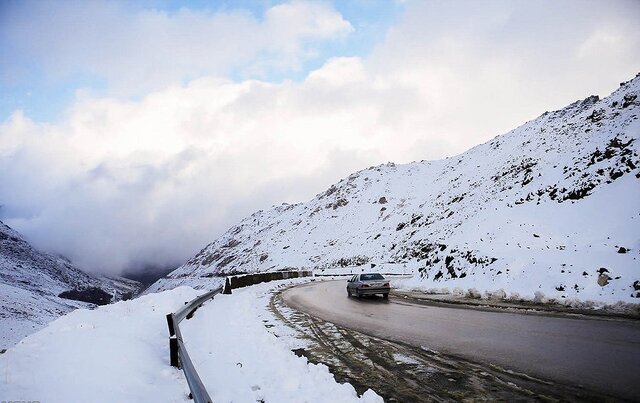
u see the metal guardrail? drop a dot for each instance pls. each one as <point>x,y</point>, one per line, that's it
<point>178,352</point>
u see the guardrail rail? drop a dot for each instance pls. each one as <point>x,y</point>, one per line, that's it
<point>178,354</point>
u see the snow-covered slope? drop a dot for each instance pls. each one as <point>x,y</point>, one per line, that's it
<point>552,206</point>
<point>30,282</point>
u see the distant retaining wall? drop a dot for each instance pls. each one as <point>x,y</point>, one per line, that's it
<point>353,274</point>
<point>257,278</point>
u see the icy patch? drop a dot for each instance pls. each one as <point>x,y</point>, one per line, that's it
<point>404,359</point>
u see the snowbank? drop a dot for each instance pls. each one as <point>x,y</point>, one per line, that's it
<point>239,360</point>
<point>116,353</point>
<point>119,353</point>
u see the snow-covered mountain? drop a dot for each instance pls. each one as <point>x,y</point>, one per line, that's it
<point>31,283</point>
<point>551,207</point>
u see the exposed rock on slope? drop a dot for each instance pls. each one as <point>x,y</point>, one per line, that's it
<point>31,283</point>
<point>544,208</point>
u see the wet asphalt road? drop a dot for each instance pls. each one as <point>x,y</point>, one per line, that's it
<point>602,355</point>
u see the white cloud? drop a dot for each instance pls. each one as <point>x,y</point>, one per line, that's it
<point>138,50</point>
<point>121,182</point>
<point>155,179</point>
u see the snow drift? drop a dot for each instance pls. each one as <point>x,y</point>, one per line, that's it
<point>119,353</point>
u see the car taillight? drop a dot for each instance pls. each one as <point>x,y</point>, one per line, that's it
<point>364,285</point>
<point>386,285</point>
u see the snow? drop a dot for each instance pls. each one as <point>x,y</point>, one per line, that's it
<point>30,282</point>
<point>261,366</point>
<point>539,210</point>
<point>404,359</point>
<point>23,312</point>
<point>589,244</point>
<point>119,352</point>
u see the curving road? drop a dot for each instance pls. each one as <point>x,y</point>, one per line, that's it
<point>601,355</point>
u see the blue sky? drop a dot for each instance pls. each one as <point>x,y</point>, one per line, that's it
<point>25,84</point>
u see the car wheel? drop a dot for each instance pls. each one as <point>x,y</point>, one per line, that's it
<point>385,295</point>
<point>348,293</point>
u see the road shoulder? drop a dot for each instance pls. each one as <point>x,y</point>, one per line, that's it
<point>523,307</point>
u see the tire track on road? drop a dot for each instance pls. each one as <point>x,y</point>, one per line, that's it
<point>403,373</point>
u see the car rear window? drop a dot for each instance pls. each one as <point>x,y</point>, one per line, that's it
<point>372,276</point>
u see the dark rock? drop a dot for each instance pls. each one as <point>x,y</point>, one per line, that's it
<point>580,193</point>
<point>226,261</point>
<point>339,203</point>
<point>596,115</point>
<point>352,261</point>
<point>448,260</point>
<point>452,272</point>
<point>301,352</point>
<point>232,243</point>
<point>330,191</point>
<point>92,295</point>
<point>615,174</point>
<point>628,100</point>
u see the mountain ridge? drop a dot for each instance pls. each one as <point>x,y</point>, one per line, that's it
<point>32,283</point>
<point>545,208</point>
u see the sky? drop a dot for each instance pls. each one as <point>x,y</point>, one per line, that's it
<point>133,134</point>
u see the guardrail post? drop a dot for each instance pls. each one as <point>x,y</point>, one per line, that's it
<point>170,323</point>
<point>190,314</point>
<point>173,351</point>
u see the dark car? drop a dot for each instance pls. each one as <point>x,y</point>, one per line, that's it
<point>368,284</point>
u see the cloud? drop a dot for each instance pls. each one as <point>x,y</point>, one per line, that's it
<point>122,183</point>
<point>487,66</point>
<point>137,50</point>
<point>119,183</point>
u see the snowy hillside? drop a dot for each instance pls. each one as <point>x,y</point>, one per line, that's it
<point>31,282</point>
<point>551,207</point>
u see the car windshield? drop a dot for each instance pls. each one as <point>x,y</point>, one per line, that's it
<point>372,276</point>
